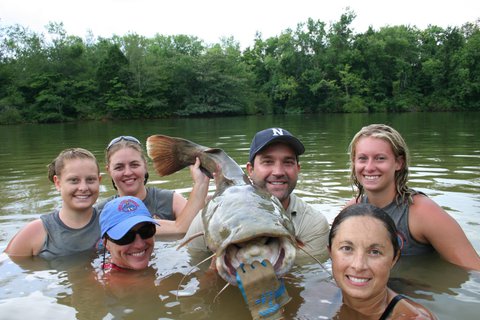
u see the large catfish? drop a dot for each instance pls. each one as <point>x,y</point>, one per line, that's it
<point>242,223</point>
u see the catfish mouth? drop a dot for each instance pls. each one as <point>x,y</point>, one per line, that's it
<point>278,250</point>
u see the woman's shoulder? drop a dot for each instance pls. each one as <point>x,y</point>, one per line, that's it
<point>28,240</point>
<point>35,226</point>
<point>422,203</point>
<point>409,309</point>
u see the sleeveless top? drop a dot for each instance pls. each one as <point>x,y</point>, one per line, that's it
<point>390,306</point>
<point>399,214</point>
<point>159,203</point>
<point>62,240</point>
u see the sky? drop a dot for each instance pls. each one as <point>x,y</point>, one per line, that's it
<point>210,20</point>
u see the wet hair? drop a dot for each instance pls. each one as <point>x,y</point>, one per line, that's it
<point>367,210</point>
<point>56,166</point>
<point>122,144</point>
<point>400,150</point>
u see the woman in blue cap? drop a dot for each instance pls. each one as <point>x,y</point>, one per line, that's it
<point>128,231</point>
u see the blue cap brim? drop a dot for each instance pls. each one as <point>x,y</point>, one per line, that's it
<point>119,230</point>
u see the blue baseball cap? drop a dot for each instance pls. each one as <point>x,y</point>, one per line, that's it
<point>121,214</point>
<point>268,136</point>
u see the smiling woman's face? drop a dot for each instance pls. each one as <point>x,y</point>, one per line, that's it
<point>127,169</point>
<point>362,256</point>
<point>134,255</point>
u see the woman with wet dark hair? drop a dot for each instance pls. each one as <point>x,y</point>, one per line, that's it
<point>364,247</point>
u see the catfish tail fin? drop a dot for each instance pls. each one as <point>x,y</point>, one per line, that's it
<point>171,154</point>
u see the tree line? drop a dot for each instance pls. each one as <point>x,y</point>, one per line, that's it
<point>315,68</point>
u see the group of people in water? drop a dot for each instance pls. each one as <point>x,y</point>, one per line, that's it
<point>386,219</point>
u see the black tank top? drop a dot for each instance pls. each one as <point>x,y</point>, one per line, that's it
<point>390,306</point>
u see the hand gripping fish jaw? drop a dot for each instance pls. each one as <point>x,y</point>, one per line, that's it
<point>264,294</point>
<point>241,223</point>
<point>278,251</point>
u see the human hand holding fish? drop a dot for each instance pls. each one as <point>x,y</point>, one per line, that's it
<point>264,294</point>
<point>242,225</point>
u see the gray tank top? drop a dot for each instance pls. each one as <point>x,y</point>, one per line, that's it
<point>158,201</point>
<point>399,214</point>
<point>62,240</point>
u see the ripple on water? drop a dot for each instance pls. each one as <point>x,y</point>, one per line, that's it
<point>35,305</point>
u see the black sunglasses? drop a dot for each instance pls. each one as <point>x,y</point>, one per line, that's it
<point>145,232</point>
<point>126,138</point>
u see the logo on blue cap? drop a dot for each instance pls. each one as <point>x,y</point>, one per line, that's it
<point>128,205</point>
<point>119,215</point>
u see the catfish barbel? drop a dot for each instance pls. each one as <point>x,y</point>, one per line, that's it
<point>242,223</point>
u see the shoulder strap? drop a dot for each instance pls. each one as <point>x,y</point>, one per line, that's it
<point>391,305</point>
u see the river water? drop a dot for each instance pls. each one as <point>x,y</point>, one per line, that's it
<point>445,150</point>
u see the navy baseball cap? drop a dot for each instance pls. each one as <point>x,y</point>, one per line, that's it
<point>268,136</point>
<point>121,214</point>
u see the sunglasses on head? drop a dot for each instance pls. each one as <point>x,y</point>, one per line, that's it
<point>126,138</point>
<point>145,232</point>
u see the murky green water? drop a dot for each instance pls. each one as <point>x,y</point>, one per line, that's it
<point>445,151</point>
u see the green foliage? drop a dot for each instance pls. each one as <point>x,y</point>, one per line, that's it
<point>10,115</point>
<point>313,68</point>
<point>355,104</point>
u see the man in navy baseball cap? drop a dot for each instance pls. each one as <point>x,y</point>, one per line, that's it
<point>274,167</point>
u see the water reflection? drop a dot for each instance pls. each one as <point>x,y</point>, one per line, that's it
<point>445,152</point>
<point>167,289</point>
<point>39,305</point>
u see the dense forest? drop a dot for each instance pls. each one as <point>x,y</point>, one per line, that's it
<point>315,68</point>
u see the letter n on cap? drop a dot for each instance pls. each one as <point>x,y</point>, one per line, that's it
<point>277,132</point>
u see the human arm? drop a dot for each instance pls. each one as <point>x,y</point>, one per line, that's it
<point>183,210</point>
<point>28,241</point>
<point>429,223</point>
